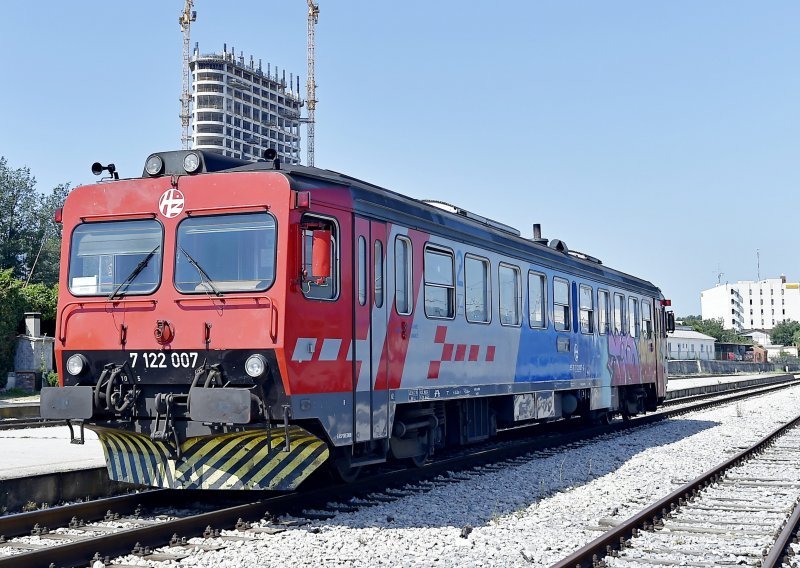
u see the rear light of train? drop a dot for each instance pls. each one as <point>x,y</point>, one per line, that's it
<point>255,365</point>
<point>666,302</point>
<point>76,364</point>
<point>58,214</point>
<point>302,200</point>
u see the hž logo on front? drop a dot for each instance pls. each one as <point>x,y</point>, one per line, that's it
<point>171,203</point>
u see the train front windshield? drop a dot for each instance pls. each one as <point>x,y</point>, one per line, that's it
<point>226,253</point>
<point>118,256</point>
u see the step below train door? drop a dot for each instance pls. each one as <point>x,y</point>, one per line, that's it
<point>371,394</point>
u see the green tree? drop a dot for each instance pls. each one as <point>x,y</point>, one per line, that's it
<point>11,309</point>
<point>784,333</point>
<point>28,237</point>
<point>715,329</point>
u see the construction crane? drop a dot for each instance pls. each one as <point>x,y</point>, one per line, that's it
<point>185,20</point>
<point>311,87</point>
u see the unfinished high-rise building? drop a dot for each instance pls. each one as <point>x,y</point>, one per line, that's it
<point>240,109</point>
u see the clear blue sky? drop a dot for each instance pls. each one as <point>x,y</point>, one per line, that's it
<point>661,137</point>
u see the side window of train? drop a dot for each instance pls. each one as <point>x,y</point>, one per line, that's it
<point>378,256</point>
<point>403,275</point>
<point>562,314</point>
<point>603,315</point>
<point>440,290</point>
<point>647,319</point>
<point>587,309</point>
<point>477,289</point>
<point>510,295</point>
<point>633,316</point>
<point>319,274</point>
<point>619,314</point>
<point>361,269</point>
<point>537,296</point>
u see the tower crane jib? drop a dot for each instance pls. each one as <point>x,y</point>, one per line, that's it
<point>185,19</point>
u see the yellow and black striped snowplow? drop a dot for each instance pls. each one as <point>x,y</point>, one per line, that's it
<point>252,459</point>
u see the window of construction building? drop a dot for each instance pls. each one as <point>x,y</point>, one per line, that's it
<point>439,283</point>
<point>619,314</point>
<point>510,294</point>
<point>586,300</point>
<point>633,317</point>
<point>402,275</point>
<point>477,292</point>
<point>537,295</point>
<point>561,305</point>
<point>602,312</point>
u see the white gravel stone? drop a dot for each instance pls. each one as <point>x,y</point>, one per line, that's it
<point>532,514</point>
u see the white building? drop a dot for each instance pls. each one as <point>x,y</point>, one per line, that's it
<point>776,351</point>
<point>759,336</point>
<point>240,110</point>
<point>689,344</point>
<point>751,304</point>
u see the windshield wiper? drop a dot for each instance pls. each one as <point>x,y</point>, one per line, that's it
<point>203,274</point>
<point>139,267</point>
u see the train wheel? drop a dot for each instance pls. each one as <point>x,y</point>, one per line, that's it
<point>342,468</point>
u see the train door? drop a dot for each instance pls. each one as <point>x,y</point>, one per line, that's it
<point>370,388</point>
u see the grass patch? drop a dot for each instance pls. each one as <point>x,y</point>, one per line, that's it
<point>14,393</point>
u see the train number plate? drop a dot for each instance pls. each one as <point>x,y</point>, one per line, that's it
<point>163,360</point>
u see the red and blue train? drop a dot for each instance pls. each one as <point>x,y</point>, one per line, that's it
<point>232,325</point>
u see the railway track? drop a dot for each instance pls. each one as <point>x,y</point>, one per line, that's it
<point>136,525</point>
<point>742,512</point>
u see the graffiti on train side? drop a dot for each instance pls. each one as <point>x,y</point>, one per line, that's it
<point>623,360</point>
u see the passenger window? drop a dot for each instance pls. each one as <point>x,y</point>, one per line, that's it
<point>561,305</point>
<point>378,274</point>
<point>439,286</point>
<point>602,312</point>
<point>647,319</point>
<point>362,271</point>
<point>510,296</point>
<point>536,299</point>
<point>587,309</point>
<point>477,291</point>
<point>633,316</point>
<point>402,275</point>
<point>320,247</point>
<point>619,314</point>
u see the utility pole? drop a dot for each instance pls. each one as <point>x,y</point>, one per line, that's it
<point>185,20</point>
<point>311,87</point>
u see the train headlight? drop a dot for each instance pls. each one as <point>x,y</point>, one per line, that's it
<point>154,165</point>
<point>76,364</point>
<point>191,163</point>
<point>255,365</point>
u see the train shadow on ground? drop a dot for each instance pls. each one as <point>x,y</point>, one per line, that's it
<point>494,494</point>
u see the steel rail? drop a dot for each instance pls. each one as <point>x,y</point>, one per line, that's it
<point>123,542</point>
<point>776,554</point>
<point>614,539</point>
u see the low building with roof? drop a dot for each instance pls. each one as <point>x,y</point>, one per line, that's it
<point>685,343</point>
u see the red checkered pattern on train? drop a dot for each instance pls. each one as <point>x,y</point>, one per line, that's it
<point>457,353</point>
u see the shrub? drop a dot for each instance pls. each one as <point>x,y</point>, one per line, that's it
<point>11,310</point>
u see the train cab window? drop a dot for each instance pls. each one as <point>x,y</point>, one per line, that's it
<point>586,299</point>
<point>477,289</point>
<point>320,257</point>
<point>440,290</point>
<point>121,257</point>
<point>647,319</point>
<point>562,314</point>
<point>378,256</point>
<point>537,294</point>
<point>361,269</point>
<point>510,295</point>
<point>602,312</point>
<point>619,314</point>
<point>402,275</point>
<point>225,253</point>
<point>633,316</point>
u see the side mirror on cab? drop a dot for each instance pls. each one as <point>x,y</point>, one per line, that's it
<point>670,322</point>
